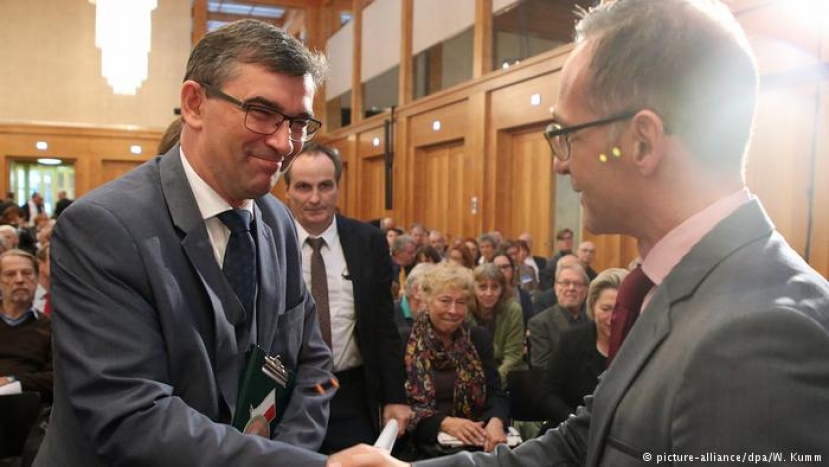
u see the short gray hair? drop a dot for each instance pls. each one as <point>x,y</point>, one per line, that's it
<point>687,60</point>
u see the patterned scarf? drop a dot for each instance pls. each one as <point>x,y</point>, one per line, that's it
<point>425,354</point>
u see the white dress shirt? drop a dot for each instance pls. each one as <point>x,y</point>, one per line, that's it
<point>340,295</point>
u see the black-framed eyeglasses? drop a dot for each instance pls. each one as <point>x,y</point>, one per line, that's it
<point>265,120</point>
<point>558,136</point>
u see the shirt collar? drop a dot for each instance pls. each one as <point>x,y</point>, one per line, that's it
<point>210,203</point>
<point>330,234</point>
<point>670,250</point>
<point>22,318</point>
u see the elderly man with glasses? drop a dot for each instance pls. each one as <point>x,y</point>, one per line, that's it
<point>167,279</point>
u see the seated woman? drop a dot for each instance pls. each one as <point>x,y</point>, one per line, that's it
<point>453,384</point>
<point>582,353</point>
<point>496,310</point>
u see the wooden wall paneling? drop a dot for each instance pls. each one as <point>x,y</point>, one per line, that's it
<point>612,251</point>
<point>779,157</point>
<point>199,20</point>
<point>357,76</point>
<point>514,105</point>
<point>343,146</point>
<point>406,70</point>
<point>482,41</point>
<point>110,169</point>
<point>438,126</point>
<point>441,188</point>
<point>480,166</point>
<point>87,147</point>
<point>371,174</point>
<point>526,186</point>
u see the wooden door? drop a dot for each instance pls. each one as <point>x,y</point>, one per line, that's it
<point>442,189</point>
<point>524,185</point>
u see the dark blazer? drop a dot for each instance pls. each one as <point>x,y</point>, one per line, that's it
<point>573,374</point>
<point>729,356</point>
<point>369,267</point>
<point>545,330</point>
<point>60,206</point>
<point>148,333</point>
<point>497,404</point>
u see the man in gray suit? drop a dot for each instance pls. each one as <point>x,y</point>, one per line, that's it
<point>730,356</point>
<point>150,335</point>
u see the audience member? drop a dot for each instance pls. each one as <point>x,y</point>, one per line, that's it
<point>564,246</point>
<point>418,234</point>
<point>403,256</point>
<point>507,266</point>
<point>25,333</point>
<point>453,385</point>
<point>171,136</point>
<point>582,353</point>
<point>459,254</point>
<point>538,262</point>
<point>64,202</point>
<point>352,290</point>
<point>438,241</point>
<point>151,335</point>
<point>585,253</point>
<point>496,310</point>
<point>488,244</point>
<point>32,208</point>
<point>42,302</point>
<point>427,254</point>
<point>526,276</point>
<point>546,327</point>
<point>474,249</point>
<point>547,298</point>
<point>408,308</point>
<point>391,235</point>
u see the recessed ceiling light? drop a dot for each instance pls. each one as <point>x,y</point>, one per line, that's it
<point>49,161</point>
<point>42,145</point>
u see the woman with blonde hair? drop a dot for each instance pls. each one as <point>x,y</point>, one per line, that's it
<point>452,380</point>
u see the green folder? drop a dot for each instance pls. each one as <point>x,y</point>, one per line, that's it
<point>264,392</point>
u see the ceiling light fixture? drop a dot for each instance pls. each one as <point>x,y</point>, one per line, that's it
<point>123,32</point>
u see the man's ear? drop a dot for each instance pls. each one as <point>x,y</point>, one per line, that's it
<point>649,140</point>
<point>192,103</point>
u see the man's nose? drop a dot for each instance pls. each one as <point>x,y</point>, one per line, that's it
<point>280,141</point>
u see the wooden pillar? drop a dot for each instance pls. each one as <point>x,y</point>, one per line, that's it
<point>482,50</point>
<point>406,70</point>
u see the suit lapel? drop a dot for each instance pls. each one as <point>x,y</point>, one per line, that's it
<point>745,225</point>
<point>227,310</point>
<point>269,304</point>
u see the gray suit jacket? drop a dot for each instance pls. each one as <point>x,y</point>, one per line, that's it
<point>730,357</point>
<point>149,339</point>
<point>545,330</point>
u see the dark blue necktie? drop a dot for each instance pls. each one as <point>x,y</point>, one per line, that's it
<point>239,264</point>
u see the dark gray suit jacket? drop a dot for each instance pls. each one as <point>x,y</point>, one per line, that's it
<point>731,356</point>
<point>147,357</point>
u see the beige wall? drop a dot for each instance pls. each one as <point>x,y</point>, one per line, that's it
<point>50,68</point>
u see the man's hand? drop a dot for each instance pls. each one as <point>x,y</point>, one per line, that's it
<point>363,455</point>
<point>400,412</point>
<point>4,380</point>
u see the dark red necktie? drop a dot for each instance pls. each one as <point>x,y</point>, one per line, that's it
<point>47,306</point>
<point>629,300</point>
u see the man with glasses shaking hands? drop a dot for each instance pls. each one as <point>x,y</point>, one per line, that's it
<point>165,278</point>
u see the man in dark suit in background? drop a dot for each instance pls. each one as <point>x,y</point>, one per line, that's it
<point>63,203</point>
<point>32,208</point>
<point>151,324</point>
<point>361,330</point>
<point>728,358</point>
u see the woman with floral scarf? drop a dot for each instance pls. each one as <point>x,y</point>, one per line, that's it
<point>453,384</point>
